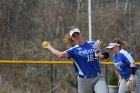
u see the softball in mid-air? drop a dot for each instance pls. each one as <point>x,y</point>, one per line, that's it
<point>45,43</point>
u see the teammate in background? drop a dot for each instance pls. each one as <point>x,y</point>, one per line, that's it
<point>87,66</point>
<point>129,74</point>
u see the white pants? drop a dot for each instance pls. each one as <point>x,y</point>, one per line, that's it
<point>92,85</point>
<point>123,84</point>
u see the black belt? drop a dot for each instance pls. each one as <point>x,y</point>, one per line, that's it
<point>81,76</point>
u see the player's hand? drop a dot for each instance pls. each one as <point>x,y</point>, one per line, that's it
<point>131,83</point>
<point>119,82</point>
<point>45,44</point>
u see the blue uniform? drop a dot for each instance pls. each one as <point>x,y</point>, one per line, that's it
<point>122,63</point>
<point>87,66</point>
<point>84,59</point>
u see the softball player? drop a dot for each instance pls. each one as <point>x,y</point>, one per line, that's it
<point>87,66</point>
<point>129,74</point>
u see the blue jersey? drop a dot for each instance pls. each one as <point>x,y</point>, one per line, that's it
<point>122,63</point>
<point>84,59</point>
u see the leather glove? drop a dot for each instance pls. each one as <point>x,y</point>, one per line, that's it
<point>96,47</point>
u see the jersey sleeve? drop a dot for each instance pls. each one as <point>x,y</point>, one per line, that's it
<point>70,53</point>
<point>126,57</point>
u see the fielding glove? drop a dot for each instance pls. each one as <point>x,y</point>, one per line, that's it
<point>96,47</point>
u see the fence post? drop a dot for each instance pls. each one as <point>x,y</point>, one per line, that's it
<point>51,78</point>
<point>106,71</point>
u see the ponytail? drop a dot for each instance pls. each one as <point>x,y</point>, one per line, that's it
<point>121,42</point>
<point>68,40</point>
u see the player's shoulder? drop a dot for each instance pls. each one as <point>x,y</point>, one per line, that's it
<point>91,42</point>
<point>124,52</point>
<point>75,46</point>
